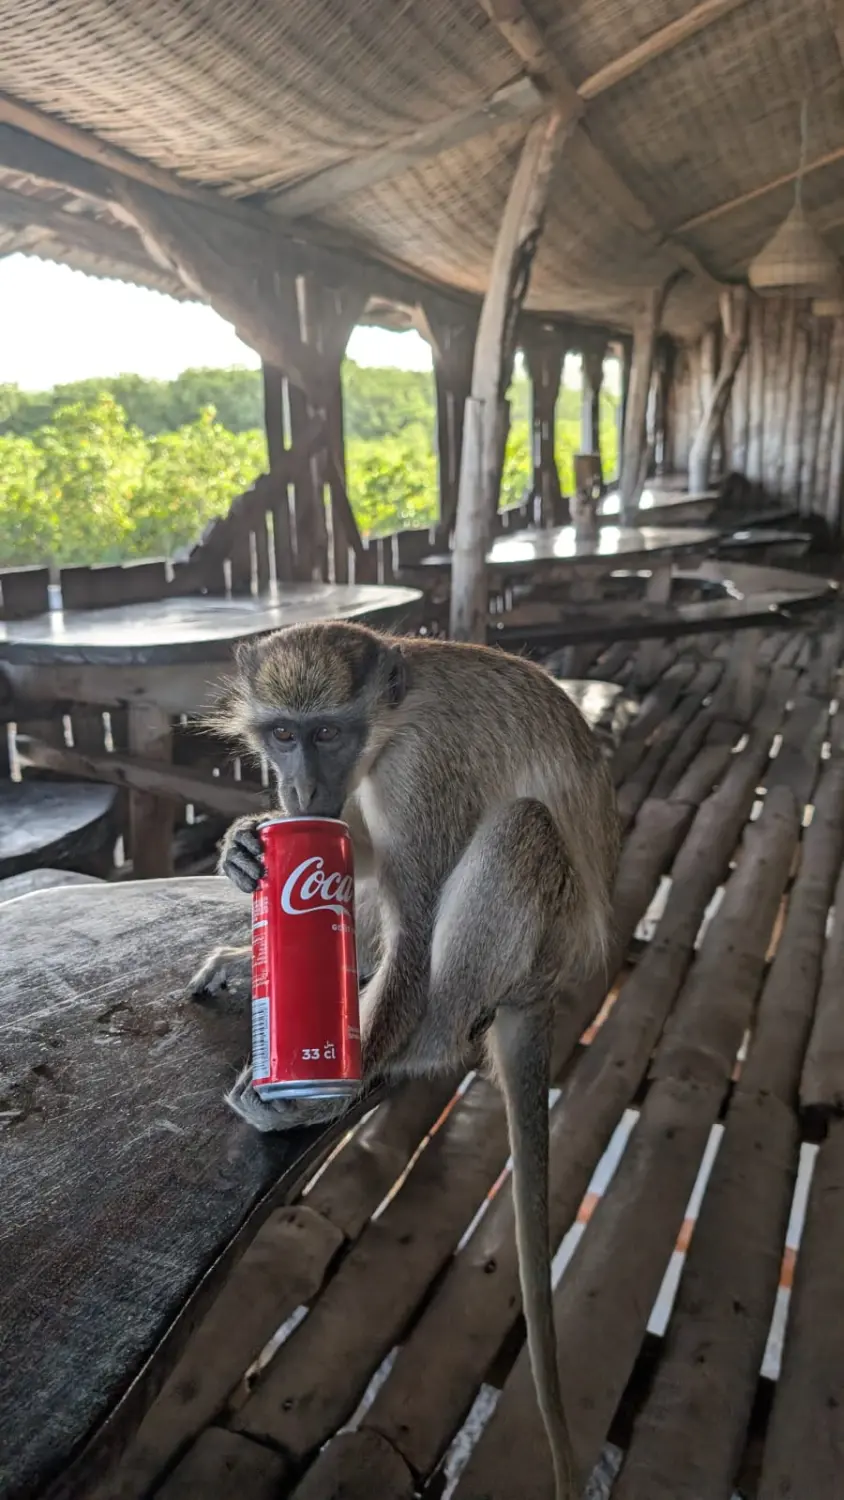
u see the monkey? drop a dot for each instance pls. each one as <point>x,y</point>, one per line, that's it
<point>485,837</point>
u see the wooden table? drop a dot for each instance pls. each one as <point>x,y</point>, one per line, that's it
<point>124,1177</point>
<point>679,508</point>
<point>42,822</point>
<point>563,554</point>
<point>161,660</point>
<point>662,508</point>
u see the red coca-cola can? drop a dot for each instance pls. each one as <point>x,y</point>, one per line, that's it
<point>305,1018</point>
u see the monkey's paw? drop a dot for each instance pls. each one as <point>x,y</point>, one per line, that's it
<point>241,855</point>
<point>280,1114</point>
<point>224,969</point>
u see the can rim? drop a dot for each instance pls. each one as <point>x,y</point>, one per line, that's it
<point>282,818</point>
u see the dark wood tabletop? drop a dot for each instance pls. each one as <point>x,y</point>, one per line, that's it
<point>47,821</point>
<point>174,631</point>
<point>125,1179</point>
<point>662,507</point>
<point>611,546</point>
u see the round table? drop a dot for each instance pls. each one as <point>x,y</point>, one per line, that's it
<point>161,660</point>
<point>564,554</point>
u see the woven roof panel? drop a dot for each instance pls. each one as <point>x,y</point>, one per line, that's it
<point>252,95</point>
<point>249,94</point>
<point>589,35</point>
<point>721,113</point>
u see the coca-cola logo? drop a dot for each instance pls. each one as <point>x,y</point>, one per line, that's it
<point>308,888</point>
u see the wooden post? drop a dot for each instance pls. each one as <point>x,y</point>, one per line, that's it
<point>634,450</point>
<point>487,411</point>
<point>590,413</point>
<point>329,317</point>
<point>151,818</point>
<point>734,316</point>
<point>625,357</point>
<point>453,342</point>
<point>544,350</point>
<point>274,402</point>
<point>664,361</point>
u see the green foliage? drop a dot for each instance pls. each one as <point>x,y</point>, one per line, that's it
<point>392,481</point>
<point>380,403</point>
<point>88,487</point>
<point>155,406</point>
<point>108,470</point>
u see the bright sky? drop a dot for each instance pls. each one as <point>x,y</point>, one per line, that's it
<point>60,325</point>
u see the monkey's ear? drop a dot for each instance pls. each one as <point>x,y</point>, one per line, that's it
<point>396,677</point>
<point>246,655</point>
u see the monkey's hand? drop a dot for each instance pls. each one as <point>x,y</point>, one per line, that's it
<point>224,969</point>
<point>241,855</point>
<point>280,1114</point>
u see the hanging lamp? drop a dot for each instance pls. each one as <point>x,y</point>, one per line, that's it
<point>796,259</point>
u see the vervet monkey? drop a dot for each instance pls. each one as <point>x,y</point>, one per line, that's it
<point>485,839</point>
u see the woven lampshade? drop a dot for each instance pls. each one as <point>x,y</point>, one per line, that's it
<point>795,260</point>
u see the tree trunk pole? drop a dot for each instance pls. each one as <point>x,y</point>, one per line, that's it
<point>590,414</point>
<point>487,411</point>
<point>634,448</point>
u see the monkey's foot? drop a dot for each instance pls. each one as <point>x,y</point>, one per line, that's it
<point>224,969</point>
<point>280,1114</point>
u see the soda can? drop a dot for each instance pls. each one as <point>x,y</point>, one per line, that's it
<point>305,1017</point>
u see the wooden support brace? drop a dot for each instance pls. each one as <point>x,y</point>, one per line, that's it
<point>233,268</point>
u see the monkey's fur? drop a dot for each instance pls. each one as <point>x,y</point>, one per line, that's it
<point>485,840</point>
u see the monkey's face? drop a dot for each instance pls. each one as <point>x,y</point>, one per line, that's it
<point>309,699</point>
<point>314,757</point>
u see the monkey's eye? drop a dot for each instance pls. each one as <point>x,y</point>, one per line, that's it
<point>284,736</point>
<point>327,732</point>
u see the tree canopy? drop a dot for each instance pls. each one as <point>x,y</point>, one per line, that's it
<point>110,470</point>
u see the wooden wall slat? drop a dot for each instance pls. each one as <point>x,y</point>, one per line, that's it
<point>784,426</point>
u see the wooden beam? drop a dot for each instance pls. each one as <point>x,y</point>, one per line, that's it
<point>525,37</point>
<point>656,45</point>
<point>486,420</point>
<point>734,317</point>
<point>518,100</point>
<point>137,774</point>
<point>23,211</point>
<point>835,11</point>
<point>91,148</point>
<point>332,254</point>
<point>719,209</point>
<point>188,239</point>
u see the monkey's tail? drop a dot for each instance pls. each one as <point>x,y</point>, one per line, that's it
<point>520,1043</point>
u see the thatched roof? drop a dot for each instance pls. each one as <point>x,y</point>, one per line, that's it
<point>690,112</point>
